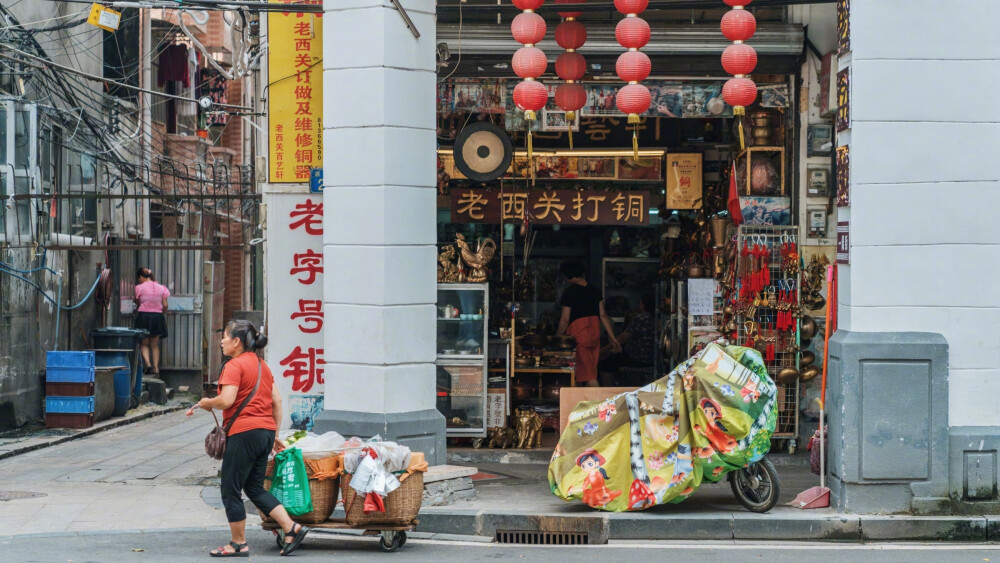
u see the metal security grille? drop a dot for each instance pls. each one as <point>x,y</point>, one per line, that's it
<point>541,538</point>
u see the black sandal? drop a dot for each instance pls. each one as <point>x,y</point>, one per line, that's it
<point>235,553</point>
<point>297,538</point>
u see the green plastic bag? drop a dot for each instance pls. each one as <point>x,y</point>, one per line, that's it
<point>291,483</point>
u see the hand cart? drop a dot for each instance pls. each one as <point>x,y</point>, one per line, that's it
<point>392,537</point>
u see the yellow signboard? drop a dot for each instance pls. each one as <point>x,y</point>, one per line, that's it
<point>295,94</point>
<point>104,18</point>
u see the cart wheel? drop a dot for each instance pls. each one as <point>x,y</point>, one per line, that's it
<point>756,487</point>
<point>402,539</point>
<point>279,538</point>
<point>478,442</point>
<point>389,542</point>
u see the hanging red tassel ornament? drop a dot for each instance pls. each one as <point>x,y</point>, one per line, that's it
<point>739,25</point>
<point>571,66</point>
<point>633,33</point>
<point>529,62</point>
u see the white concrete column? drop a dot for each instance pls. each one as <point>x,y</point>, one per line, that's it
<point>925,186</point>
<point>380,217</point>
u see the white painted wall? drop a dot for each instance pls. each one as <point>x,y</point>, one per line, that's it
<point>925,186</point>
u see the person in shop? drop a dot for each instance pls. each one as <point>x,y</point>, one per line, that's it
<point>637,344</point>
<point>582,317</point>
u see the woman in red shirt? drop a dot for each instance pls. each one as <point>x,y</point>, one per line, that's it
<point>251,438</point>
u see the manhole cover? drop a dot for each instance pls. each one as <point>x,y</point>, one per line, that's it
<point>14,495</point>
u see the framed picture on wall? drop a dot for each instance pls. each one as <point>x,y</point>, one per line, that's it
<point>556,121</point>
<point>817,182</point>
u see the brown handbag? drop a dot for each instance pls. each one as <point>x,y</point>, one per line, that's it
<point>215,442</point>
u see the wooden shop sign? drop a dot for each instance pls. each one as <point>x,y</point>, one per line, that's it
<point>549,207</point>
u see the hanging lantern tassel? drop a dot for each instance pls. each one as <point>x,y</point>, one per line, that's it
<point>570,117</point>
<point>635,142</point>
<point>529,148</point>
<point>739,120</point>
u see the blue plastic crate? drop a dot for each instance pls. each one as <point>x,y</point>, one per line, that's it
<point>69,359</point>
<point>70,405</point>
<point>69,375</point>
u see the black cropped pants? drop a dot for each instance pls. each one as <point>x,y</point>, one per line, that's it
<point>243,469</point>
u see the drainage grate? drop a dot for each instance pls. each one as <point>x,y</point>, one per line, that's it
<point>542,538</point>
<point>15,495</point>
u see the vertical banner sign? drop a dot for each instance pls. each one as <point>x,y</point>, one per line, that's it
<point>295,303</point>
<point>843,100</point>
<point>843,26</point>
<point>843,176</point>
<point>295,96</point>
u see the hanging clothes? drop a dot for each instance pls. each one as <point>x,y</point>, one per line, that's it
<point>190,109</point>
<point>173,65</point>
<point>214,85</point>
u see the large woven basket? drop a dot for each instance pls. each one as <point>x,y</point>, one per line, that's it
<point>324,497</point>
<point>401,505</point>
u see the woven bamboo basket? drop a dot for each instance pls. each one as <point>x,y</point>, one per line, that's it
<point>401,505</point>
<point>324,497</point>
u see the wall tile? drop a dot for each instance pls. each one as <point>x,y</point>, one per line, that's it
<point>380,275</point>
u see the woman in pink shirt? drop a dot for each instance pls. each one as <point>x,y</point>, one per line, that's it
<point>151,297</point>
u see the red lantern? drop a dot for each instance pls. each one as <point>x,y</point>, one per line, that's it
<point>529,62</point>
<point>739,59</point>
<point>570,15</point>
<point>633,66</point>
<point>734,3</point>
<point>632,33</point>
<point>738,25</point>
<point>530,96</point>
<point>631,6</point>
<point>528,28</point>
<point>571,34</point>
<point>739,93</point>
<point>528,4</point>
<point>571,66</point>
<point>571,97</point>
<point>633,99</point>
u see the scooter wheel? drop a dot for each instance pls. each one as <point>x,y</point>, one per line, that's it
<point>756,487</point>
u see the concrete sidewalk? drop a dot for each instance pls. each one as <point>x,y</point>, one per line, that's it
<point>153,474</point>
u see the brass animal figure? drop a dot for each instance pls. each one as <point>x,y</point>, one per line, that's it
<point>477,260</point>
<point>501,437</point>
<point>529,428</point>
<point>448,271</point>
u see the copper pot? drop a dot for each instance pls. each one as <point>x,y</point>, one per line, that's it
<point>807,327</point>
<point>808,358</point>
<point>522,393</point>
<point>720,231</point>
<point>810,372</point>
<point>787,375</point>
<point>550,393</point>
<point>524,362</point>
<point>667,345</point>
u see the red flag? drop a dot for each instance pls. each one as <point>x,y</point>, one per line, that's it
<point>733,203</point>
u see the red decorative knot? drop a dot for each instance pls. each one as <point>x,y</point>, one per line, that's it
<point>632,33</point>
<point>633,99</point>
<point>529,62</point>
<point>739,92</point>
<point>528,28</point>
<point>738,25</point>
<point>571,66</point>
<point>570,14</point>
<point>571,34</point>
<point>735,3</point>
<point>530,95</point>
<point>528,4</point>
<point>571,97</point>
<point>633,66</point>
<point>739,58</point>
<point>631,6</point>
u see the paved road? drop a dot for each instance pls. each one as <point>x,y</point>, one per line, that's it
<point>192,546</point>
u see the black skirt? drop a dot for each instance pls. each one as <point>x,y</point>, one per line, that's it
<point>153,323</point>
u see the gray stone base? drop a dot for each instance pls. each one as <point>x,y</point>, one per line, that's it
<point>421,431</point>
<point>973,458</point>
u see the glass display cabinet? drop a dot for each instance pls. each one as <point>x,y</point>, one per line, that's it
<point>462,350</point>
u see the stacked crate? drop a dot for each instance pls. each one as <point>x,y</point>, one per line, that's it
<point>69,389</point>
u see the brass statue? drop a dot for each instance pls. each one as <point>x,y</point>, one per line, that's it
<point>448,270</point>
<point>477,260</point>
<point>501,437</point>
<point>529,428</point>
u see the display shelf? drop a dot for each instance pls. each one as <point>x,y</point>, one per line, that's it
<point>462,358</point>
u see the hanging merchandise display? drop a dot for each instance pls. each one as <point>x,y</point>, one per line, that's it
<point>739,59</point>
<point>570,66</point>
<point>528,28</point>
<point>633,65</point>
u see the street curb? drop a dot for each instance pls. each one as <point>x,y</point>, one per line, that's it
<point>89,431</point>
<point>129,531</point>
<point>726,526</point>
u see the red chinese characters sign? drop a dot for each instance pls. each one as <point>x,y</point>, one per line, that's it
<point>564,207</point>
<point>295,96</point>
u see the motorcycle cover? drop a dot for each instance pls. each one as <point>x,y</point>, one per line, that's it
<point>712,414</point>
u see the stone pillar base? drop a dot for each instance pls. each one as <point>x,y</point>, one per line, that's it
<point>887,406</point>
<point>421,431</point>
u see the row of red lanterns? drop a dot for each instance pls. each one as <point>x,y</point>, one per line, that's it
<point>570,66</point>
<point>739,59</point>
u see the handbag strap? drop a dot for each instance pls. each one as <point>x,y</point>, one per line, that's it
<point>260,369</point>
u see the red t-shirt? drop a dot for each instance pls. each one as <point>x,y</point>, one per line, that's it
<point>242,371</point>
